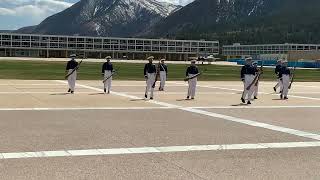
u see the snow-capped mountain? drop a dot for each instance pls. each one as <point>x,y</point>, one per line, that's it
<point>105,17</point>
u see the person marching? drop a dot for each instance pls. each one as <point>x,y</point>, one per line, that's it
<point>192,70</point>
<point>248,75</point>
<point>150,75</point>
<point>71,73</point>
<point>256,85</point>
<point>277,71</point>
<point>285,77</point>
<point>163,74</point>
<point>107,70</point>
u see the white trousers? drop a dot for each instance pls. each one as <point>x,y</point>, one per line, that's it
<point>285,84</point>
<point>72,79</point>
<point>150,81</point>
<point>107,83</point>
<point>163,78</point>
<point>247,94</point>
<point>192,86</point>
<point>279,84</point>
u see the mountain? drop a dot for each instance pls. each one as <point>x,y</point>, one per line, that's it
<point>123,18</point>
<point>244,21</point>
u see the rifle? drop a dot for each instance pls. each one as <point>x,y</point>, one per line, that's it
<point>157,74</point>
<point>261,72</point>
<point>292,79</point>
<point>113,73</point>
<point>256,79</point>
<point>76,68</point>
<point>196,75</point>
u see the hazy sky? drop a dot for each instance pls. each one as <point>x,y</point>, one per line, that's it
<point>15,14</point>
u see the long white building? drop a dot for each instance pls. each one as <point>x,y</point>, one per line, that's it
<point>290,51</point>
<point>32,45</point>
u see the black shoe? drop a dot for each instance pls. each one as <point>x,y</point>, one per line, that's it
<point>108,92</point>
<point>285,98</point>
<point>255,97</point>
<point>69,90</point>
<point>248,102</point>
<point>243,101</point>
<point>281,97</point>
<point>274,88</point>
<point>72,92</point>
<point>105,90</point>
<point>192,98</point>
<point>146,96</point>
<point>280,92</point>
<point>151,98</point>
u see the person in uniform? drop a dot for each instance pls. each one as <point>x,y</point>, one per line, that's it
<point>107,70</point>
<point>192,70</point>
<point>248,74</point>
<point>71,72</point>
<point>285,77</point>
<point>277,71</point>
<point>163,74</point>
<point>256,86</point>
<point>150,75</point>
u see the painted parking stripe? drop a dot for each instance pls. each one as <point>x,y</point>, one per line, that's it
<point>148,150</point>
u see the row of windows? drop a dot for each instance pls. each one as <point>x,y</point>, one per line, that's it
<point>288,48</point>
<point>16,38</point>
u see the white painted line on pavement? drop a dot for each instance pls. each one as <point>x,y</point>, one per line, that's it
<point>256,124</point>
<point>229,118</point>
<point>82,108</point>
<point>149,150</point>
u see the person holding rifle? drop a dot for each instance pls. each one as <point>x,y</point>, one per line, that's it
<point>150,72</point>
<point>71,73</point>
<point>277,71</point>
<point>191,75</point>
<point>163,74</point>
<point>256,85</point>
<point>285,77</point>
<point>248,75</point>
<point>107,70</point>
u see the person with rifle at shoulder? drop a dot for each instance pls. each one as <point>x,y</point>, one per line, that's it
<point>258,73</point>
<point>248,75</point>
<point>163,74</point>
<point>150,72</point>
<point>191,75</point>
<point>71,73</point>
<point>285,77</point>
<point>277,71</point>
<point>107,72</point>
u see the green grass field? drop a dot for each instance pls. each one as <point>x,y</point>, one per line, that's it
<point>38,70</point>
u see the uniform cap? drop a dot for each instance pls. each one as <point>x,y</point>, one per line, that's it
<point>255,62</point>
<point>249,59</point>
<point>150,57</point>
<point>193,61</point>
<point>108,57</point>
<point>162,59</point>
<point>73,55</point>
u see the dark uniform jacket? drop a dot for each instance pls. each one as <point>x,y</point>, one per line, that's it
<point>149,68</point>
<point>163,67</point>
<point>192,70</point>
<point>72,64</point>
<point>107,66</point>
<point>284,71</point>
<point>247,70</point>
<point>277,70</point>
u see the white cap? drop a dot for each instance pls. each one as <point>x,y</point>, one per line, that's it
<point>73,55</point>
<point>162,59</point>
<point>249,59</point>
<point>255,62</point>
<point>108,57</point>
<point>284,61</point>
<point>150,57</point>
<point>193,61</point>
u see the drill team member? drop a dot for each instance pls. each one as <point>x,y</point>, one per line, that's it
<point>277,71</point>
<point>163,74</point>
<point>150,75</point>
<point>107,70</point>
<point>192,70</point>
<point>256,86</point>
<point>285,77</point>
<point>71,72</point>
<point>248,74</point>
